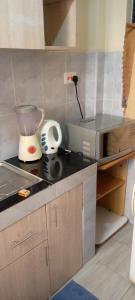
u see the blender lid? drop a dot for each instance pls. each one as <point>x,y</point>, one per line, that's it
<point>25,108</point>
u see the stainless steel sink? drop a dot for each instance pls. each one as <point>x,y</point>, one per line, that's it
<point>13,179</point>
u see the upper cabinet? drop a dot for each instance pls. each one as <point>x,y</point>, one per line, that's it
<point>37,24</point>
<point>21,24</point>
<point>60,23</point>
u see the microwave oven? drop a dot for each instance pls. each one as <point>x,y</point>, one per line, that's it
<point>105,138</point>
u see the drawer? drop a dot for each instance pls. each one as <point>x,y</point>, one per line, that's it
<point>28,277</point>
<point>21,237</point>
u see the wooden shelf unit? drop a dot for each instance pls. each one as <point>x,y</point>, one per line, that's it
<point>111,187</point>
<point>112,163</point>
<point>107,184</point>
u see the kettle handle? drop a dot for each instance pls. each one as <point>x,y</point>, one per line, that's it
<point>42,117</point>
<point>59,134</point>
<point>49,124</point>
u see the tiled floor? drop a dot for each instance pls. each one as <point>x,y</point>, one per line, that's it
<point>107,274</point>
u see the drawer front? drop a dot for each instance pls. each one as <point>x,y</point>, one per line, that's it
<point>21,237</point>
<point>28,277</point>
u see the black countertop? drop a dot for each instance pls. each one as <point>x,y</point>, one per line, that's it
<point>55,167</point>
<point>51,169</point>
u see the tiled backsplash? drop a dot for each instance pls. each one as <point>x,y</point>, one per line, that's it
<point>112,96</point>
<point>36,77</point>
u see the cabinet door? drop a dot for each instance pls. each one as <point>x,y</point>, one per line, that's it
<point>28,277</point>
<point>21,24</point>
<point>23,236</point>
<point>64,223</point>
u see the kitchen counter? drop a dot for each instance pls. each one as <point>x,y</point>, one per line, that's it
<point>60,173</point>
<point>55,167</point>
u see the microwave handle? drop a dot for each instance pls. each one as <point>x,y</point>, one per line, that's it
<point>99,145</point>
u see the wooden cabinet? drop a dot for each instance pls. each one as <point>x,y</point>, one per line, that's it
<point>21,24</point>
<point>21,237</point>
<point>42,251</point>
<point>64,224</point>
<point>28,277</point>
<point>111,188</point>
<point>34,24</point>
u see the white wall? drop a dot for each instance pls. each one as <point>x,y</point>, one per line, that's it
<point>82,25</point>
<point>101,24</point>
<point>115,21</point>
<point>96,25</point>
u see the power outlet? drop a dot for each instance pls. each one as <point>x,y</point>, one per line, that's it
<point>68,77</point>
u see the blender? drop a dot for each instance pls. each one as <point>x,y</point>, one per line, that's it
<point>30,119</point>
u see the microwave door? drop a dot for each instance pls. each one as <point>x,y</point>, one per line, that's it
<point>99,145</point>
<point>105,146</point>
<point>115,143</point>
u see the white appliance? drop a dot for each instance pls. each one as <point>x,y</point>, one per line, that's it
<point>132,264</point>
<point>30,119</point>
<point>50,137</point>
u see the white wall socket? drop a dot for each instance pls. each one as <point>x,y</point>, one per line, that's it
<point>68,77</point>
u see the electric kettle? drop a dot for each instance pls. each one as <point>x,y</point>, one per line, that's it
<point>50,137</point>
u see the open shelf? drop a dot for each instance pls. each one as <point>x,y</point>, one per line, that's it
<point>59,23</point>
<point>107,224</point>
<point>106,184</point>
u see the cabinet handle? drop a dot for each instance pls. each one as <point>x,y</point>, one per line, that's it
<point>26,237</point>
<point>56,219</point>
<point>46,255</point>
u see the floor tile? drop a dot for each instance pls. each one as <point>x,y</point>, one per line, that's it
<point>130,294</point>
<point>107,274</point>
<point>124,235</point>
<point>102,282</point>
<point>118,260</point>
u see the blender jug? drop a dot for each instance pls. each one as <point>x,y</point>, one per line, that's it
<point>29,118</point>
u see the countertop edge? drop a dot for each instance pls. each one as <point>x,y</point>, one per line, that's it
<point>17,212</point>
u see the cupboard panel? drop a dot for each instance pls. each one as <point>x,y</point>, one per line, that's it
<point>64,224</point>
<point>28,277</point>
<point>21,237</point>
<point>21,24</point>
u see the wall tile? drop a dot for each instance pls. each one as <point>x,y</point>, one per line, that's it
<point>75,62</point>
<point>117,108</point>
<point>90,84</point>
<point>90,108</point>
<point>57,112</point>
<point>28,77</point>
<point>7,99</point>
<point>107,107</point>
<point>9,136</point>
<point>53,70</point>
<point>54,88</point>
<point>72,112</point>
<point>99,106</point>
<point>100,75</point>
<point>113,83</point>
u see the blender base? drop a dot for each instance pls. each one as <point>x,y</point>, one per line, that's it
<point>29,148</point>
